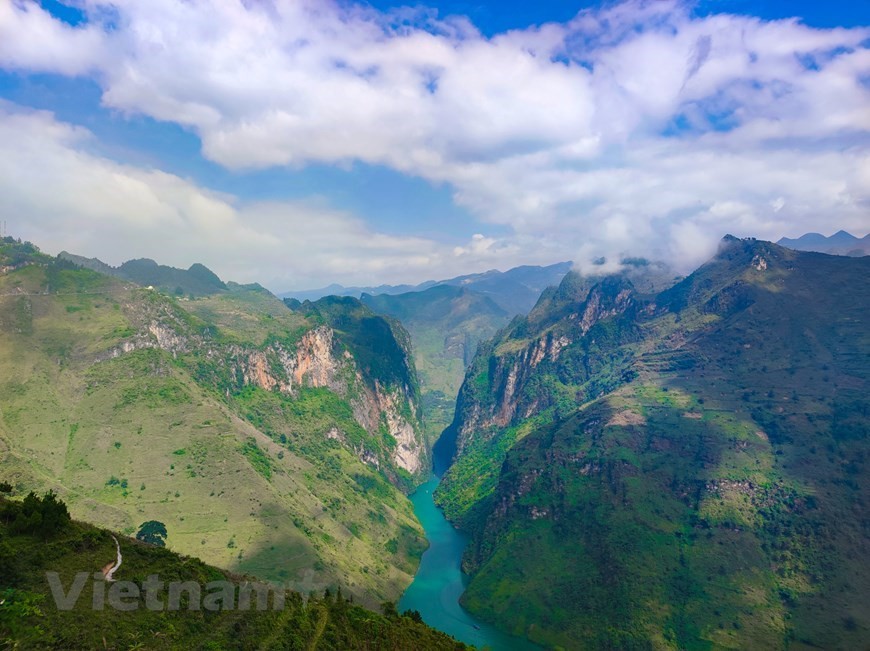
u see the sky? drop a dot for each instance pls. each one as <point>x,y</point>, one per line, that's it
<point>297,143</point>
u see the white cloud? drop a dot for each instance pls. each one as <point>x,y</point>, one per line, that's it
<point>71,199</point>
<point>31,40</point>
<point>635,128</point>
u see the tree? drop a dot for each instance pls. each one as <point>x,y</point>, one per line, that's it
<point>153,533</point>
<point>45,515</point>
<point>414,615</point>
<point>55,515</point>
<point>388,608</point>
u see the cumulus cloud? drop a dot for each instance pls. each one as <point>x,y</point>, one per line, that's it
<point>75,200</point>
<point>634,129</point>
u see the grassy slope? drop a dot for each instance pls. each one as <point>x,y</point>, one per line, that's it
<point>137,437</point>
<point>717,500</point>
<point>30,619</point>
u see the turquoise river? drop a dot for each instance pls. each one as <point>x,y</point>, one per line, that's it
<point>439,581</point>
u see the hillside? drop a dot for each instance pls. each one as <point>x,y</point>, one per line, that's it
<point>703,449</point>
<point>445,323</point>
<point>198,280</point>
<point>31,618</point>
<point>264,439</point>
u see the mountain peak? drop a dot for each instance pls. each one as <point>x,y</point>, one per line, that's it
<point>840,243</point>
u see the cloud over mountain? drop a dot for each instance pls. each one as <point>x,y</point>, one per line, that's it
<point>638,128</point>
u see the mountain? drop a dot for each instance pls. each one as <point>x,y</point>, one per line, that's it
<point>31,618</point>
<point>266,440</point>
<point>840,243</point>
<point>446,320</point>
<point>199,280</point>
<point>684,469</point>
<point>445,323</point>
<point>340,290</point>
<point>515,290</point>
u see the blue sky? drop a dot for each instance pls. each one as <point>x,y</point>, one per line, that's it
<point>297,143</point>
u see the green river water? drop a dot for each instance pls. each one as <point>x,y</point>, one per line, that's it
<point>439,581</point>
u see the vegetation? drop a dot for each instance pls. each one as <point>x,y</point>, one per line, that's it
<point>30,618</point>
<point>153,533</point>
<point>135,405</point>
<point>709,474</point>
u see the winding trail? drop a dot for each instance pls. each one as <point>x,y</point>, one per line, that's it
<point>110,572</point>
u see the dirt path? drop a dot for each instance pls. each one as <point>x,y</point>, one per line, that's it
<point>109,570</point>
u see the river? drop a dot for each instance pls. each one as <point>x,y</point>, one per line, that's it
<point>439,581</point>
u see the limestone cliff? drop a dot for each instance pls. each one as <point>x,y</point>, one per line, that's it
<point>322,357</point>
<point>507,381</point>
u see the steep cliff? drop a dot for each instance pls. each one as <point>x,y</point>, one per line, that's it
<point>536,370</point>
<point>709,492</point>
<point>446,323</point>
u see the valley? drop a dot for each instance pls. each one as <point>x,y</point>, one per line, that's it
<point>700,441</point>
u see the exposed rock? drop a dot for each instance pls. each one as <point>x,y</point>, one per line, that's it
<point>318,360</point>
<point>627,417</point>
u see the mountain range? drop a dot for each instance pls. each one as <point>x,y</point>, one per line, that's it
<point>680,469</point>
<point>515,290</point>
<point>840,243</point>
<point>199,280</point>
<point>637,460</point>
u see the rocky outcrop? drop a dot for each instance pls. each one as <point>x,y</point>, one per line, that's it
<point>314,361</point>
<point>514,367</point>
<point>318,359</point>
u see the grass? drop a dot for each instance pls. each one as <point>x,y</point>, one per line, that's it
<point>709,469</point>
<point>217,461</point>
<point>29,617</point>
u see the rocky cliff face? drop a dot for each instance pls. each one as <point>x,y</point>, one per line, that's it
<point>577,343</point>
<point>508,381</point>
<point>680,452</point>
<point>319,359</point>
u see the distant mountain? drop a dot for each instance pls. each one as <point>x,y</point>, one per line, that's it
<point>515,290</point>
<point>445,322</point>
<point>340,290</point>
<point>199,280</point>
<point>678,470</point>
<point>840,243</point>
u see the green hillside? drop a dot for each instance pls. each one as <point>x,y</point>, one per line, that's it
<point>198,280</point>
<point>30,618</point>
<point>685,470</point>
<point>262,438</point>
